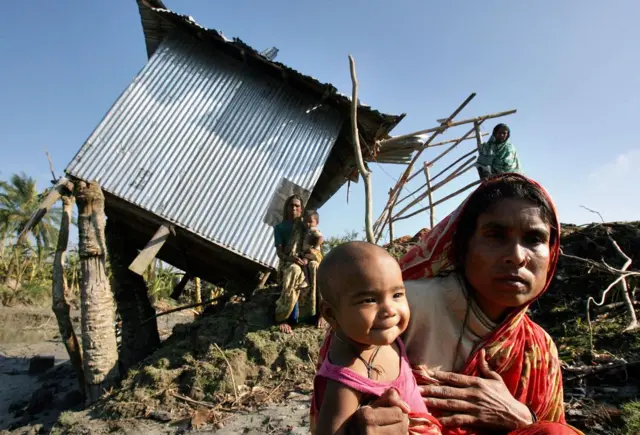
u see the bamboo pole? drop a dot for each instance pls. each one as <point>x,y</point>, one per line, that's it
<point>437,144</point>
<point>364,172</point>
<point>403,179</point>
<point>476,127</point>
<point>431,216</point>
<point>470,153</point>
<point>446,198</point>
<point>436,176</point>
<point>198,293</point>
<point>459,171</point>
<point>444,153</point>
<point>391,237</point>
<point>449,125</point>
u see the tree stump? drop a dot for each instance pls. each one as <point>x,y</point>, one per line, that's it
<point>139,335</point>
<point>60,303</point>
<point>100,350</point>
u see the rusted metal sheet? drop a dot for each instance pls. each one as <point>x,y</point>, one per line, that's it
<point>203,141</point>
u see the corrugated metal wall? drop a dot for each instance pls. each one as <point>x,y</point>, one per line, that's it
<point>203,141</point>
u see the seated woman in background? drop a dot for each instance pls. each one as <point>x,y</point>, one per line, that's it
<point>497,155</point>
<point>298,299</point>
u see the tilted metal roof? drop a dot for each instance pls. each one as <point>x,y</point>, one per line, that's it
<point>158,21</point>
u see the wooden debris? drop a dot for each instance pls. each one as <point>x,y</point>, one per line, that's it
<point>146,256</point>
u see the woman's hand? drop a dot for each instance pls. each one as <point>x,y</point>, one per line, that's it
<point>388,415</point>
<point>296,260</point>
<point>475,401</point>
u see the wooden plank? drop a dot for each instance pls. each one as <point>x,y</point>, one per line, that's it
<point>146,256</point>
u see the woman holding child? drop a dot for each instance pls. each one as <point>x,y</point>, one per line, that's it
<point>481,364</point>
<point>298,247</point>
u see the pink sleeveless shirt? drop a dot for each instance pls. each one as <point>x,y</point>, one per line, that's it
<point>405,384</point>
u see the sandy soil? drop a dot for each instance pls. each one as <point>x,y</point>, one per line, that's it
<point>27,332</point>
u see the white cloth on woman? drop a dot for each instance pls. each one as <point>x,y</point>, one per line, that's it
<point>438,309</point>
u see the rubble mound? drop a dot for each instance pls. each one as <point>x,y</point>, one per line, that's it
<point>224,361</point>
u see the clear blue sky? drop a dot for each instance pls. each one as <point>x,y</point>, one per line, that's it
<point>571,68</point>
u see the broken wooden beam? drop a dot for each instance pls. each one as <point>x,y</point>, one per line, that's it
<point>449,125</point>
<point>146,256</point>
<point>64,186</point>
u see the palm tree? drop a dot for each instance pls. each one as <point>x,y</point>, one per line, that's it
<point>19,200</point>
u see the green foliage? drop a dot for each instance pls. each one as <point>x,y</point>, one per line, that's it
<point>631,417</point>
<point>332,242</point>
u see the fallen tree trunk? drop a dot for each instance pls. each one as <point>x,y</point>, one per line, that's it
<point>99,346</point>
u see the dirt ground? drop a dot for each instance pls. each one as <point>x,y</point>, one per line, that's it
<point>32,404</point>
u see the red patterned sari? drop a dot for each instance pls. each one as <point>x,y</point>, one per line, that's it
<point>519,350</point>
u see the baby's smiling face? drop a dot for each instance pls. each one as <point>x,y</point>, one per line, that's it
<point>369,304</point>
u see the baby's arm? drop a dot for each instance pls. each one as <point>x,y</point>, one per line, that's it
<point>339,403</point>
<point>320,242</point>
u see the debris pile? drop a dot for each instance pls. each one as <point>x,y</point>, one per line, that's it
<point>601,384</point>
<point>230,360</point>
<point>234,358</point>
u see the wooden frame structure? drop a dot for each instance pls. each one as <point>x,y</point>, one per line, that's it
<point>426,190</point>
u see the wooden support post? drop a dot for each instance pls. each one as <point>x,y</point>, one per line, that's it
<point>138,340</point>
<point>432,218</point>
<point>364,172</point>
<point>179,288</point>
<point>100,351</point>
<point>146,256</point>
<point>60,303</point>
<point>63,187</point>
<point>476,127</point>
<point>197,297</point>
<point>263,277</point>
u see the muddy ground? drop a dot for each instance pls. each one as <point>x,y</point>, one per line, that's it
<point>31,404</point>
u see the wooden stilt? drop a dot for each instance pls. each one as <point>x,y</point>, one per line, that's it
<point>60,303</point>
<point>146,256</point>
<point>197,297</point>
<point>100,352</point>
<point>179,288</point>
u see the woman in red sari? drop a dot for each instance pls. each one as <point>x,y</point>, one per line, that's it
<point>485,367</point>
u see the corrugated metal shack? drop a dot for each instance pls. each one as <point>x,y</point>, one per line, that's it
<point>211,136</point>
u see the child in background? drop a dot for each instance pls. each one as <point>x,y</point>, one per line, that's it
<point>363,299</point>
<point>312,246</point>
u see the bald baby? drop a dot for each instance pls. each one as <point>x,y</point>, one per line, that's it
<point>352,266</point>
